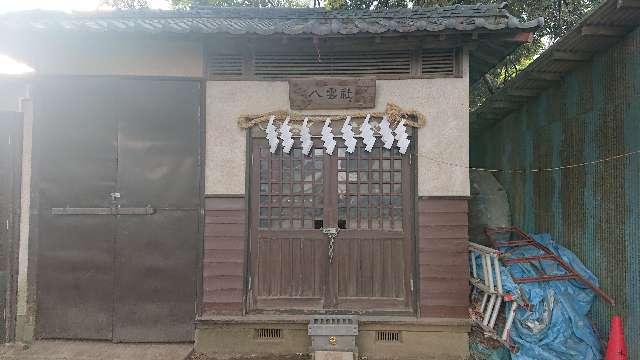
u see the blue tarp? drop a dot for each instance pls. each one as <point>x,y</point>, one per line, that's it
<point>557,327</point>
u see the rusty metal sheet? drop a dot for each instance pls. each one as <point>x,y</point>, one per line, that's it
<point>74,154</point>
<point>10,168</point>
<point>158,137</point>
<point>156,277</point>
<point>118,178</point>
<point>591,115</point>
<point>158,147</point>
<point>75,277</point>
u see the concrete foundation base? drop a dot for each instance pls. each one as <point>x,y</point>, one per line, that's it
<point>333,355</point>
<point>94,350</point>
<point>233,337</point>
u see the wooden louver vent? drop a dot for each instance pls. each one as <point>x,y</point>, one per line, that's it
<point>225,66</point>
<point>268,334</point>
<point>438,62</point>
<point>388,336</point>
<point>381,63</point>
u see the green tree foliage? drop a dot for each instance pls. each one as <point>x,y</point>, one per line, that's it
<point>560,16</point>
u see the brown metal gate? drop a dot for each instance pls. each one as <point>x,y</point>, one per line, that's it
<point>118,174</point>
<point>10,175</point>
<point>298,199</point>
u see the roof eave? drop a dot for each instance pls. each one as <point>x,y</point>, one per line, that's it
<point>602,28</point>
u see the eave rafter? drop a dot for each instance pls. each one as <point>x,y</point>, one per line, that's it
<point>628,4</point>
<point>603,30</point>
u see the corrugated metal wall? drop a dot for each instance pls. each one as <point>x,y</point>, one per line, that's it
<point>593,210</point>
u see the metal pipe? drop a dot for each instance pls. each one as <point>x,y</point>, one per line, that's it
<point>545,278</point>
<point>526,259</point>
<point>525,240</point>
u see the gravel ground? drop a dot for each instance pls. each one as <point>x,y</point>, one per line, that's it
<point>199,356</point>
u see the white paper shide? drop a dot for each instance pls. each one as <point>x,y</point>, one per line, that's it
<point>348,136</point>
<point>327,137</point>
<point>402,137</point>
<point>367,135</point>
<point>386,133</point>
<point>272,134</point>
<point>286,136</point>
<point>305,137</point>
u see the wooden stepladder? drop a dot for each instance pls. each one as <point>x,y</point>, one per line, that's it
<point>487,282</point>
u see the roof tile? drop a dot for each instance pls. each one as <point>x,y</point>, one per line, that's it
<point>268,21</point>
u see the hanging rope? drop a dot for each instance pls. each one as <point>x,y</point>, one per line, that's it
<point>393,112</point>
<point>539,170</point>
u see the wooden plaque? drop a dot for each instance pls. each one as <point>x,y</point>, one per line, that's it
<point>332,93</point>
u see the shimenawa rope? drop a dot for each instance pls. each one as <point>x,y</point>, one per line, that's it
<point>393,112</point>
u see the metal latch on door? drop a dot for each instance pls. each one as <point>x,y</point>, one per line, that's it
<point>331,233</point>
<point>113,210</point>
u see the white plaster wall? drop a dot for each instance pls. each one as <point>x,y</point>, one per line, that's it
<point>226,142</point>
<point>108,56</point>
<point>445,137</point>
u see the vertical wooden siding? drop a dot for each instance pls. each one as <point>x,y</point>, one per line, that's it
<point>442,258</point>
<point>223,261</point>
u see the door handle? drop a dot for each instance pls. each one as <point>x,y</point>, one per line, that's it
<point>331,234</point>
<point>147,210</point>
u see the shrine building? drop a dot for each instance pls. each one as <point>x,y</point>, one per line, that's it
<point>223,176</point>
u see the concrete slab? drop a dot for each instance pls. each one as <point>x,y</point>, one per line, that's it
<point>332,355</point>
<point>94,350</point>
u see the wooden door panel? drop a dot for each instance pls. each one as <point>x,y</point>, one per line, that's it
<point>370,274</point>
<point>290,267</point>
<point>288,251</point>
<point>372,268</point>
<point>373,249</point>
<point>365,194</point>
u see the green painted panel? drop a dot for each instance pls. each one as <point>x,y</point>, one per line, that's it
<point>594,210</point>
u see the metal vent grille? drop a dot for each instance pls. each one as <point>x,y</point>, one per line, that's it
<point>438,62</point>
<point>388,336</point>
<point>379,63</point>
<point>334,320</point>
<point>268,334</point>
<point>225,66</point>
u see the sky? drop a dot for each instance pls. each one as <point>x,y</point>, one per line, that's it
<point>10,66</point>
<point>63,5</point>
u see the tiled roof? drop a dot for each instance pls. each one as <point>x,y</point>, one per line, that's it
<point>268,21</point>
